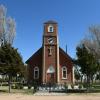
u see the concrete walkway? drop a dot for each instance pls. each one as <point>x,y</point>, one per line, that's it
<point>40,93</point>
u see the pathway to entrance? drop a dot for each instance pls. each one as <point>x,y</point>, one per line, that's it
<point>46,93</point>
<point>58,90</point>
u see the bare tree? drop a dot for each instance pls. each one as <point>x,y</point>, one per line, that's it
<point>92,41</point>
<point>7,27</point>
<point>2,22</point>
<point>11,30</point>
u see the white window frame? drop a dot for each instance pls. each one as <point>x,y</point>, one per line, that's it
<point>49,28</point>
<point>36,69</point>
<point>64,68</point>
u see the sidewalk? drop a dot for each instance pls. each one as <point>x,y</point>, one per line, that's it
<point>40,93</point>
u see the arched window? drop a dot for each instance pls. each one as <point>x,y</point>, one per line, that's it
<point>36,73</point>
<point>50,28</point>
<point>64,72</point>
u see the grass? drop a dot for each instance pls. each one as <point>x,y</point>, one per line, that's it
<point>93,89</point>
<point>4,89</point>
<point>96,86</point>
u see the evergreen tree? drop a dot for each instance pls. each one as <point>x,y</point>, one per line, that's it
<point>87,62</point>
<point>10,61</point>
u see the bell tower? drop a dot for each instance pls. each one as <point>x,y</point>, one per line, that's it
<point>50,53</point>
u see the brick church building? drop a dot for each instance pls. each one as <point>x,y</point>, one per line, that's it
<point>50,63</point>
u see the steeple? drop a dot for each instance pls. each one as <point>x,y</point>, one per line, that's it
<point>50,50</point>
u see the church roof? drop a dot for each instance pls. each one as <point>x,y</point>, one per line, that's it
<point>50,22</point>
<point>65,54</point>
<point>39,52</point>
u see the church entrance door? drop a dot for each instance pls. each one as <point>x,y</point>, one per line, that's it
<point>50,74</point>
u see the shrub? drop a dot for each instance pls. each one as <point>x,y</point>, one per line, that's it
<point>72,86</point>
<point>17,86</point>
<point>66,86</point>
<point>13,86</point>
<point>80,86</point>
<point>20,86</point>
<point>29,86</point>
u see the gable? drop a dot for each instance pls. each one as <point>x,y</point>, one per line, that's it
<point>35,56</point>
<point>38,54</point>
<point>64,56</point>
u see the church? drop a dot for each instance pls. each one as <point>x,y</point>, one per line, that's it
<point>50,63</point>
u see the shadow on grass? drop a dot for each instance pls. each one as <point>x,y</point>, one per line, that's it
<point>5,91</point>
<point>29,91</point>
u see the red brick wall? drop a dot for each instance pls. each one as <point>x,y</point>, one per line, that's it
<point>36,60</point>
<point>51,60</point>
<point>65,61</point>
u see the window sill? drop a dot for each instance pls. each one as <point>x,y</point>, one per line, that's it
<point>64,78</point>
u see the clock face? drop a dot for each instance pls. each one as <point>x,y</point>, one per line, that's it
<point>50,40</point>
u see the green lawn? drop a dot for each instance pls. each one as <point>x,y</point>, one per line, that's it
<point>4,89</point>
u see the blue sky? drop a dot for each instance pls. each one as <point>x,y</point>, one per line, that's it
<point>73,17</point>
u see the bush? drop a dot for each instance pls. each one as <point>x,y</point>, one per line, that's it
<point>96,86</point>
<point>80,86</point>
<point>13,86</point>
<point>72,86</point>
<point>76,91</point>
<point>17,86</point>
<point>65,86</point>
<point>85,85</point>
<point>29,86</point>
<point>20,86</point>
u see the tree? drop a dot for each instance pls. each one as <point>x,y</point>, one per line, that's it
<point>77,73</point>
<point>87,62</point>
<point>10,61</point>
<point>7,27</point>
<point>92,43</point>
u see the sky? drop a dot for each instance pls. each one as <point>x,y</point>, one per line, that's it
<point>73,18</point>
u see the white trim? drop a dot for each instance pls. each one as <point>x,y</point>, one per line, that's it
<point>44,75</point>
<point>36,69</point>
<point>50,27</point>
<point>58,67</point>
<point>73,75</point>
<point>43,66</point>
<point>64,68</point>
